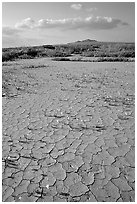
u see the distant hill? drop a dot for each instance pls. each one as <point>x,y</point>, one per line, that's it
<point>86,48</point>
<point>86,42</point>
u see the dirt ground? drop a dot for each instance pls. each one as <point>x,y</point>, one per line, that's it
<point>68,131</point>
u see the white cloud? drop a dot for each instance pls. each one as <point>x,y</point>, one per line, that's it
<point>76,6</point>
<point>88,23</point>
<point>26,23</point>
<point>61,23</point>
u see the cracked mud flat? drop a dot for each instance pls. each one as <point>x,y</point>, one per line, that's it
<point>68,132</point>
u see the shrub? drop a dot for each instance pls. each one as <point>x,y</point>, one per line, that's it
<point>127,54</point>
<point>88,54</point>
<point>8,56</point>
<point>49,47</point>
<point>112,59</point>
<point>32,52</point>
<point>61,59</point>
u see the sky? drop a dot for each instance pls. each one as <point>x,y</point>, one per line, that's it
<point>38,23</point>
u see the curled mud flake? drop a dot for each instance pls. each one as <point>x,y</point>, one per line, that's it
<point>128,112</point>
<point>123,117</point>
<point>126,115</point>
<point>47,186</point>
<point>13,156</point>
<point>11,164</point>
<point>117,126</point>
<point>74,199</point>
<point>49,161</point>
<point>114,103</point>
<point>38,190</point>
<point>129,100</point>
<point>55,153</point>
<point>59,114</point>
<point>48,148</point>
<point>99,128</point>
<point>77,162</point>
<point>64,194</point>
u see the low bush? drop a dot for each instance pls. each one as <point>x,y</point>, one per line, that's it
<point>88,54</point>
<point>7,56</point>
<point>61,59</point>
<point>127,54</point>
<point>32,52</point>
<point>112,59</point>
<point>118,51</point>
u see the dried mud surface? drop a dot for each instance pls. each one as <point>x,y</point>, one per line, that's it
<point>68,132</point>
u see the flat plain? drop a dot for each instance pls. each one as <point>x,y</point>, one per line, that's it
<point>68,131</point>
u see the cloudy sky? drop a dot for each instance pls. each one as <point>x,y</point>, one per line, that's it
<point>52,23</point>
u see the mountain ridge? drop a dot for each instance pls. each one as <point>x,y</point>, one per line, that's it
<point>86,41</point>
